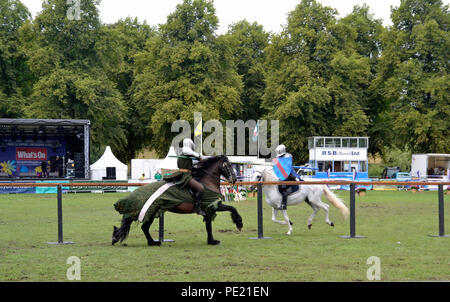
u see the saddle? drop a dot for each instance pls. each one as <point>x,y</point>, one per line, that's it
<point>288,189</point>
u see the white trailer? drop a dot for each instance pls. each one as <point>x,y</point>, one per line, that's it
<point>430,165</point>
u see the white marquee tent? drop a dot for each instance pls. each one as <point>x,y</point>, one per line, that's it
<point>149,167</point>
<point>169,162</point>
<point>107,160</point>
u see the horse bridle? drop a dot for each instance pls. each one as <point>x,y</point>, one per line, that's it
<point>225,167</point>
<point>260,174</point>
<point>228,170</point>
<point>258,179</point>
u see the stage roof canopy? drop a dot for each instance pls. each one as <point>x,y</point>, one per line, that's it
<point>27,126</point>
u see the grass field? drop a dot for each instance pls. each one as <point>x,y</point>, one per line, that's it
<point>397,225</point>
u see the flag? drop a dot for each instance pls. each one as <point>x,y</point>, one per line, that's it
<point>198,129</point>
<point>255,133</point>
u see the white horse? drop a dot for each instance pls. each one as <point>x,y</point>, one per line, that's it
<point>311,194</point>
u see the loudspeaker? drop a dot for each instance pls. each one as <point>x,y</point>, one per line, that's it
<point>110,172</point>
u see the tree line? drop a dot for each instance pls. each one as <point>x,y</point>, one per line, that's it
<point>321,75</point>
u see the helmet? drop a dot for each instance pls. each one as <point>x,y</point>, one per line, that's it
<point>188,143</point>
<point>280,150</point>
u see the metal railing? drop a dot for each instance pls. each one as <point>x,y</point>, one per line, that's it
<point>352,185</point>
<point>259,185</point>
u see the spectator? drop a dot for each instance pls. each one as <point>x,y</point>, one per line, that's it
<point>44,169</point>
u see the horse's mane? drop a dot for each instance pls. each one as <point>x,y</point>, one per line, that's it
<point>200,167</point>
<point>269,175</point>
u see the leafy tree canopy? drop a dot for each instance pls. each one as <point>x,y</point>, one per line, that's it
<point>70,62</point>
<point>185,69</point>
<point>413,75</point>
<point>14,73</point>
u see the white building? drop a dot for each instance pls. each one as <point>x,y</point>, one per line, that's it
<point>245,166</point>
<point>339,154</point>
<point>430,165</point>
<point>149,167</point>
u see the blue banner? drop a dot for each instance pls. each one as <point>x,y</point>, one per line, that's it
<point>24,158</point>
<point>51,190</point>
<point>16,190</point>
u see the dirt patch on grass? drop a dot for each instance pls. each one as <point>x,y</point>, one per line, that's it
<point>227,231</point>
<point>371,205</point>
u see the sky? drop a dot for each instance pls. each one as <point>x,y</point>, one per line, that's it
<point>272,14</point>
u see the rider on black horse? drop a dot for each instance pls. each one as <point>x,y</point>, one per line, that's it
<point>285,190</point>
<point>184,175</point>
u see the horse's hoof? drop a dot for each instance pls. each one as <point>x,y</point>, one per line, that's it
<point>153,243</point>
<point>214,242</point>
<point>332,224</point>
<point>309,226</point>
<point>114,240</point>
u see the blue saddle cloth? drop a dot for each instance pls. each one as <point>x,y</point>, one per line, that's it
<point>290,189</point>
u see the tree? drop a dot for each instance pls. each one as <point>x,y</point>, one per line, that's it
<point>394,157</point>
<point>247,43</point>
<point>184,69</point>
<point>70,66</point>
<point>127,38</point>
<point>316,78</point>
<point>413,75</point>
<point>15,77</point>
<point>368,45</point>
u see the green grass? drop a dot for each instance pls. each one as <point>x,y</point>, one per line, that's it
<point>397,225</point>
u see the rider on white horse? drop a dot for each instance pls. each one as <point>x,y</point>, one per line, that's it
<point>285,190</point>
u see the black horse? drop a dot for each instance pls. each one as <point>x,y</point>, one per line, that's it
<point>208,172</point>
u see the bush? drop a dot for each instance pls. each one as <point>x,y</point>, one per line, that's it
<point>393,157</point>
<point>362,189</point>
<point>375,170</point>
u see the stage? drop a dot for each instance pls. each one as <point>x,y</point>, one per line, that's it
<point>43,149</point>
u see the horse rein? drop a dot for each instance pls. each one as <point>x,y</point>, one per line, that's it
<point>224,166</point>
<point>212,175</point>
<point>229,171</point>
<point>260,174</point>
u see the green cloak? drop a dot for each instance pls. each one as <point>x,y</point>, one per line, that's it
<point>132,204</point>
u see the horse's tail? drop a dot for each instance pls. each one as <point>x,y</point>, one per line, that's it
<point>336,202</point>
<point>120,234</point>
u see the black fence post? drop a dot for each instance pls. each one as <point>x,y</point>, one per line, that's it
<point>161,230</point>
<point>441,212</point>
<point>352,214</point>
<point>60,218</point>
<point>352,211</point>
<point>260,214</point>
